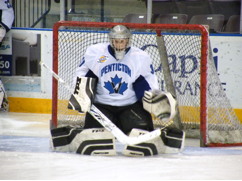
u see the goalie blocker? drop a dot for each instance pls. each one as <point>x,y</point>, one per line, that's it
<point>83,96</point>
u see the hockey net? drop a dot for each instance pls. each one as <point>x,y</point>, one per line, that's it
<point>202,102</point>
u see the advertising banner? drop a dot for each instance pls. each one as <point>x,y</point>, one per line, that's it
<point>6,55</point>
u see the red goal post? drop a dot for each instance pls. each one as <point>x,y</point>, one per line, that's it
<point>186,51</point>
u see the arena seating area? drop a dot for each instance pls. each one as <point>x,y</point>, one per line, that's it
<point>222,16</point>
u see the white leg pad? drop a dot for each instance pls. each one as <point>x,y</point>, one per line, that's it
<point>174,140</point>
<point>95,141</point>
<point>149,148</point>
<point>168,142</point>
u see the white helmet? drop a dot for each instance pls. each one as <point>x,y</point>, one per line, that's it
<point>120,32</point>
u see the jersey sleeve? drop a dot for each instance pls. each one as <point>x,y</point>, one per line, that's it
<point>147,71</point>
<point>83,70</point>
<point>147,79</point>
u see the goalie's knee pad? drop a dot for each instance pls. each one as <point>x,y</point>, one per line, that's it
<point>95,141</point>
<point>170,141</point>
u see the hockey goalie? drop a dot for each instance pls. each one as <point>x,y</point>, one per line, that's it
<point>119,80</point>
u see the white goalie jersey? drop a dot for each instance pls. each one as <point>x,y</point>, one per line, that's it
<point>120,82</point>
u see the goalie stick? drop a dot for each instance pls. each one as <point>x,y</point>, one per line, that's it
<point>106,123</point>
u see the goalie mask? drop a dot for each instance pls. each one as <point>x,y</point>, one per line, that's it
<point>120,40</point>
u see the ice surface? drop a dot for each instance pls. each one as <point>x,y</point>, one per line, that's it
<point>25,154</point>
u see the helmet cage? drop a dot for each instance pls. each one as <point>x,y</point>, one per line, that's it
<point>120,32</point>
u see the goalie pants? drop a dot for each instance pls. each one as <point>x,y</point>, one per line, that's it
<point>124,117</point>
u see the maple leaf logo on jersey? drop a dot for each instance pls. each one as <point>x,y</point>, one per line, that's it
<point>116,86</point>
